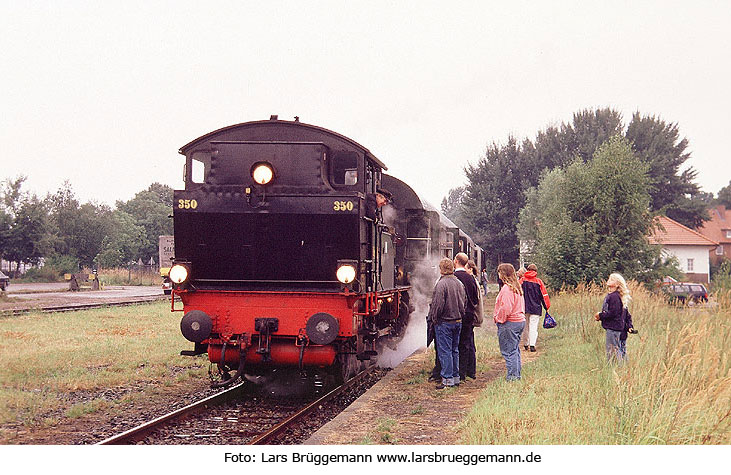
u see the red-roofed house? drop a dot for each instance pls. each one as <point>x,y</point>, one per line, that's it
<point>719,230</point>
<point>691,248</point>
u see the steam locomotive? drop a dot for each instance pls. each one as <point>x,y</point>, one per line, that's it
<point>284,256</point>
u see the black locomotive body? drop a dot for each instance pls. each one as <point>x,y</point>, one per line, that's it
<point>283,256</point>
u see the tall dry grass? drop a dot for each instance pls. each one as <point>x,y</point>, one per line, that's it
<point>120,276</point>
<point>674,389</point>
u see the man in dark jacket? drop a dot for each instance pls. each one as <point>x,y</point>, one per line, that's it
<point>536,299</point>
<point>447,311</point>
<point>467,358</point>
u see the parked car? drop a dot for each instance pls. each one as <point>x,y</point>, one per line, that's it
<point>167,284</point>
<point>4,281</point>
<point>689,293</point>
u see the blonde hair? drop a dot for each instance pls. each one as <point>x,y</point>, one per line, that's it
<point>507,273</point>
<point>621,287</point>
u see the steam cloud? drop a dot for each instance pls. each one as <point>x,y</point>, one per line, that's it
<point>422,279</point>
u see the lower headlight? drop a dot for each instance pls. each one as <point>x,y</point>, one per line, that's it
<point>346,273</point>
<point>178,273</point>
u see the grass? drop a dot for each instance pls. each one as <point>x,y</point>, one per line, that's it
<point>675,389</point>
<point>127,277</point>
<point>46,359</point>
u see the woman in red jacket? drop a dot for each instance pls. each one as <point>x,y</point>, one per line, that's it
<point>536,299</point>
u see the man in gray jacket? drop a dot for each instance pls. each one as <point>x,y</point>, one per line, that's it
<point>446,311</point>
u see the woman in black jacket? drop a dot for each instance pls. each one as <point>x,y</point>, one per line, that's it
<point>613,316</point>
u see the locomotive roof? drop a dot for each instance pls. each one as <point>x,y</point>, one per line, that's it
<point>407,198</point>
<point>286,123</point>
<point>442,218</point>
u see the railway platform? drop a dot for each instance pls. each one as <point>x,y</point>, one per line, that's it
<point>405,408</point>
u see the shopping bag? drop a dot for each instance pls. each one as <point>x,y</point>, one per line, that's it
<point>548,321</point>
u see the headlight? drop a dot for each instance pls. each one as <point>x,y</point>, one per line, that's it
<point>178,273</point>
<point>262,173</point>
<point>346,273</point>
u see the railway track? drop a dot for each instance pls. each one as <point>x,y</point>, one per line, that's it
<point>83,306</point>
<point>229,417</point>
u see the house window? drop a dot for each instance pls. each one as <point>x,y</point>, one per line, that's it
<point>728,233</point>
<point>690,265</point>
<point>719,250</point>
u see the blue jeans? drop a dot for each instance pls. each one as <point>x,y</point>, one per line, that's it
<point>508,336</point>
<point>447,336</point>
<point>614,346</point>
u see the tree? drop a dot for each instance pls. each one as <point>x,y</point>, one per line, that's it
<point>79,230</point>
<point>28,238</point>
<point>659,145</point>
<point>593,219</point>
<point>590,129</point>
<point>493,200</point>
<point>24,234</point>
<point>453,208</point>
<point>724,196</point>
<point>497,183</point>
<point>122,245</point>
<point>151,209</point>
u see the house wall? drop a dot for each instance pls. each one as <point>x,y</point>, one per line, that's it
<point>699,254</point>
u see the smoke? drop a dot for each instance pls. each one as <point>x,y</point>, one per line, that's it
<point>422,279</point>
<point>389,215</point>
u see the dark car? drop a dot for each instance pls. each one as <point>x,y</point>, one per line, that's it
<point>4,281</point>
<point>689,293</point>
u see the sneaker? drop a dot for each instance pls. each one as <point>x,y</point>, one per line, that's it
<point>532,348</point>
<point>471,376</point>
<point>439,386</point>
<point>525,347</point>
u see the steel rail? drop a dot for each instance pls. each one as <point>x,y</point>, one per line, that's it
<point>83,306</point>
<point>272,433</point>
<point>140,431</point>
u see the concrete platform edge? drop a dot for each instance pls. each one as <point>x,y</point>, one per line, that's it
<point>320,436</point>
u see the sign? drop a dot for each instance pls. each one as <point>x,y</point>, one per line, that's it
<point>166,251</point>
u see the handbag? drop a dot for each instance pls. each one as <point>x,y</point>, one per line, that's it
<point>480,314</point>
<point>548,321</point>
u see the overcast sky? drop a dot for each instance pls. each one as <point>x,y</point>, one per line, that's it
<point>103,94</point>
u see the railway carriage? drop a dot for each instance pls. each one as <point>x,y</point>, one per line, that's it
<point>283,256</point>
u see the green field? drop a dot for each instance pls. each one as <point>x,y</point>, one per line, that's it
<point>46,359</point>
<point>675,389</point>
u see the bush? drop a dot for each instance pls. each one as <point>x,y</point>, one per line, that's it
<point>722,276</point>
<point>41,274</point>
<point>63,264</point>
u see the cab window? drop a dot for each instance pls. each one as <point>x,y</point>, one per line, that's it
<point>344,168</point>
<point>200,164</point>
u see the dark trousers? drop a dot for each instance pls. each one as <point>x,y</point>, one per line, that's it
<point>431,337</point>
<point>436,372</point>
<point>467,358</point>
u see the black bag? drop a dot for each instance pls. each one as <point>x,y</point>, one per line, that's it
<point>548,321</point>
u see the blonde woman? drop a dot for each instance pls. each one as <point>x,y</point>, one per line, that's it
<point>509,316</point>
<point>615,317</point>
